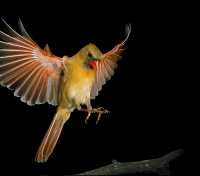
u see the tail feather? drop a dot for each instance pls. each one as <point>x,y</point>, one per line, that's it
<point>51,137</point>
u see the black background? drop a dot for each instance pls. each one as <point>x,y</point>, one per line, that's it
<point>146,95</point>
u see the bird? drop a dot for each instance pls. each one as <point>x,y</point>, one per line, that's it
<point>38,76</point>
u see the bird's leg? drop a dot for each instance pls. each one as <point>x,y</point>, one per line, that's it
<point>91,110</point>
<point>100,111</point>
<point>89,114</point>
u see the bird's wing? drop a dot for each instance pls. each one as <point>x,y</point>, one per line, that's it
<point>32,72</point>
<point>105,67</point>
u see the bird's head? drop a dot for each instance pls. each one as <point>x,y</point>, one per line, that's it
<point>90,55</point>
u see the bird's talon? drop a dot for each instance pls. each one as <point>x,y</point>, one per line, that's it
<point>98,118</point>
<point>99,110</point>
<point>88,116</point>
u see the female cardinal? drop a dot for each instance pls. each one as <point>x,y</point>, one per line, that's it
<point>38,76</point>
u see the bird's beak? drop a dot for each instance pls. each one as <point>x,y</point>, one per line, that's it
<point>93,63</point>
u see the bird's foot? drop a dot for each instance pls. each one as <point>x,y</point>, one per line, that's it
<point>99,110</point>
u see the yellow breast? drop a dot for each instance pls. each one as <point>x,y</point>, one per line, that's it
<point>78,83</point>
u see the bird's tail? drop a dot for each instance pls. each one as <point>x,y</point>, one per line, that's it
<point>51,137</point>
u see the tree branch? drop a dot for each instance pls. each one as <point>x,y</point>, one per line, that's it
<point>159,166</point>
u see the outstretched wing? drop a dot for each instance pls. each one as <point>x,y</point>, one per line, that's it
<point>33,73</point>
<point>106,66</point>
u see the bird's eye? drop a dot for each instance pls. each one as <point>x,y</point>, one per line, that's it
<point>89,55</point>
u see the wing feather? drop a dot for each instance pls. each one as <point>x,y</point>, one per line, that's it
<point>20,91</point>
<point>11,39</point>
<point>32,91</point>
<point>14,70</point>
<point>41,98</point>
<point>28,89</point>
<point>106,66</point>
<point>14,34</point>
<point>23,31</point>
<point>25,67</point>
<point>13,46</point>
<point>36,88</point>
<point>14,80</point>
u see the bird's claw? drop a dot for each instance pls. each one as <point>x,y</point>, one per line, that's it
<point>88,116</point>
<point>99,110</point>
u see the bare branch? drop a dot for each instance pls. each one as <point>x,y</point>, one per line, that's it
<point>158,166</point>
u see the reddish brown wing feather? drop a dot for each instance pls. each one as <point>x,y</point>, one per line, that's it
<point>33,73</point>
<point>105,67</point>
<point>104,71</point>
